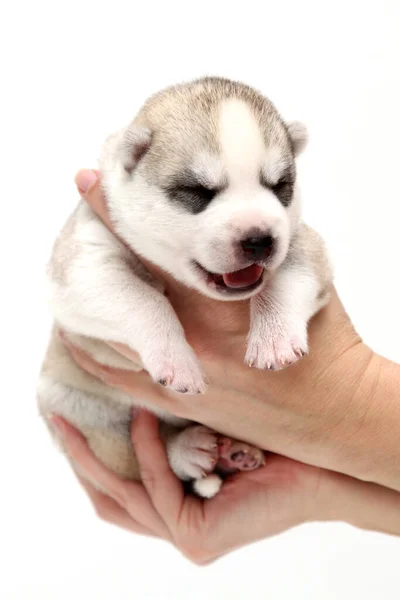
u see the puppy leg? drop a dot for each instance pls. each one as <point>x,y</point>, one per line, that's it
<point>193,452</point>
<point>197,451</point>
<point>98,293</point>
<point>105,425</point>
<point>280,313</point>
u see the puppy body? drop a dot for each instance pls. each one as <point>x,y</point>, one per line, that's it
<point>203,184</point>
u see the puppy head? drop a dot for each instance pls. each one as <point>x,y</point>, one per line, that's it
<point>203,184</point>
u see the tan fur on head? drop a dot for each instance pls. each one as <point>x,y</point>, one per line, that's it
<point>201,132</point>
<point>204,175</point>
<point>185,118</point>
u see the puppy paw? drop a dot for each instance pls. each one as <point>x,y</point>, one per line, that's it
<point>193,453</point>
<point>276,347</point>
<point>238,456</point>
<point>207,487</point>
<point>177,368</point>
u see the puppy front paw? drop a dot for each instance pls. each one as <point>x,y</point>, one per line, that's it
<point>176,366</point>
<point>193,453</point>
<point>275,345</point>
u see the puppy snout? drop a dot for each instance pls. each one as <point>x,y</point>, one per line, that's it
<point>258,247</point>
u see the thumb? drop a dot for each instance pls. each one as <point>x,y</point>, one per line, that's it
<point>88,184</point>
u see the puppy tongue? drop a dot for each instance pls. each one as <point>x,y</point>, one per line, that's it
<point>243,278</point>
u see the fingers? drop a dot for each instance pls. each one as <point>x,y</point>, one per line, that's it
<point>88,184</point>
<point>137,383</point>
<point>129,495</point>
<point>109,510</point>
<point>83,359</point>
<point>110,376</point>
<point>127,352</point>
<point>164,489</point>
<point>80,453</point>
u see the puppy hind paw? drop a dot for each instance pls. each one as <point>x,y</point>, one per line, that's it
<point>238,456</point>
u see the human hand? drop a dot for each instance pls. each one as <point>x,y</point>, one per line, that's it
<point>323,410</point>
<point>250,506</point>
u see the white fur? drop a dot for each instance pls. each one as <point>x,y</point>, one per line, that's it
<point>279,317</point>
<point>193,452</point>
<point>274,164</point>
<point>173,238</point>
<point>92,305</point>
<point>208,487</point>
<point>299,136</point>
<point>103,291</point>
<point>209,170</point>
<point>242,145</point>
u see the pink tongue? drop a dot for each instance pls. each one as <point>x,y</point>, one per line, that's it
<point>243,278</point>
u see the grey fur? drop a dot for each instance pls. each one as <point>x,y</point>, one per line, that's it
<point>174,126</point>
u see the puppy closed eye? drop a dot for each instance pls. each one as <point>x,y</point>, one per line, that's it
<point>202,192</point>
<point>283,189</point>
<point>194,197</point>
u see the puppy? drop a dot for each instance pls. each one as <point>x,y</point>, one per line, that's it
<point>203,184</point>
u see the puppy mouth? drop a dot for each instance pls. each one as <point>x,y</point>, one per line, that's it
<point>244,280</point>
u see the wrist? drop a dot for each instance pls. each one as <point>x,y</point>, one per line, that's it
<point>369,446</point>
<point>363,505</point>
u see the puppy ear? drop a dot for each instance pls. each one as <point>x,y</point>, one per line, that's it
<point>298,136</point>
<point>134,144</point>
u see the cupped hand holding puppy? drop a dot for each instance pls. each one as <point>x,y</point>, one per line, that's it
<point>337,408</point>
<point>331,409</point>
<point>251,506</point>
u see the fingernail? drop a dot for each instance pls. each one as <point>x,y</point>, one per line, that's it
<point>85,180</point>
<point>65,341</point>
<point>58,425</point>
<point>61,335</point>
<point>135,412</point>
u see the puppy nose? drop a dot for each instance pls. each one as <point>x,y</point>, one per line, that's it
<point>258,248</point>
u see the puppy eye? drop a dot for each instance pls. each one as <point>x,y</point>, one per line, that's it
<point>283,189</point>
<point>202,192</point>
<point>281,186</point>
<point>195,197</point>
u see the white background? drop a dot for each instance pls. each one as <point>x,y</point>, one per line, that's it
<point>71,73</point>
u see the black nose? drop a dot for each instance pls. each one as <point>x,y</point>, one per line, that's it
<point>258,248</point>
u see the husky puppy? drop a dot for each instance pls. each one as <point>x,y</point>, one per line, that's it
<point>203,184</point>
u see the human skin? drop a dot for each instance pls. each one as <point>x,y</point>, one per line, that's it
<point>337,408</point>
<point>325,404</point>
<point>250,506</point>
